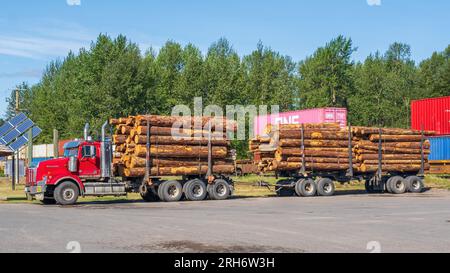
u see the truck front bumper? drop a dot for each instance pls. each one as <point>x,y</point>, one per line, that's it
<point>40,188</point>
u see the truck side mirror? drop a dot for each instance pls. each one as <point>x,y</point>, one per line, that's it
<point>73,164</point>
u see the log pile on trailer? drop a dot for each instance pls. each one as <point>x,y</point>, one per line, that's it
<point>401,149</point>
<point>177,146</point>
<point>327,147</point>
<point>263,152</point>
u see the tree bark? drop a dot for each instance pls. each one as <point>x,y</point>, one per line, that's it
<point>168,140</point>
<point>180,151</point>
<point>177,171</point>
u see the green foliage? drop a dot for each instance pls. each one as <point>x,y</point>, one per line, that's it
<point>326,77</point>
<point>113,78</point>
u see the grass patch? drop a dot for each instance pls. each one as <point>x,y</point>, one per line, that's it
<point>437,182</point>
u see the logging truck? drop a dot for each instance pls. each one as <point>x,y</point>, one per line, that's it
<point>86,169</point>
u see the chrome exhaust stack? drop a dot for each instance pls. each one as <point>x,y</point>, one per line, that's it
<point>106,154</point>
<point>86,131</point>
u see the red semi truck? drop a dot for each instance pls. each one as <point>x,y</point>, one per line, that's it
<point>86,170</point>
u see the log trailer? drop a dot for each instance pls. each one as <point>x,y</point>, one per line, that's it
<point>304,183</point>
<point>86,170</point>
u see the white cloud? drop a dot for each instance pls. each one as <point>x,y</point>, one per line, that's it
<point>374,2</point>
<point>29,73</point>
<point>74,2</point>
<point>45,40</point>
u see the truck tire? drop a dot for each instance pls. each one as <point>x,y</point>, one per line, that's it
<point>284,191</point>
<point>369,188</point>
<point>66,194</point>
<point>195,190</point>
<point>414,184</point>
<point>325,187</point>
<point>306,188</point>
<point>220,190</point>
<point>388,185</point>
<point>397,185</point>
<point>171,191</point>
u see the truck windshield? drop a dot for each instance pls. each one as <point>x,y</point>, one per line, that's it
<point>71,152</point>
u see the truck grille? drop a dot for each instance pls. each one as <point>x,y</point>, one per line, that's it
<point>31,176</point>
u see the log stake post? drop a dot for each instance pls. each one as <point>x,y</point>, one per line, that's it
<point>210,165</point>
<point>302,131</point>
<point>380,159</point>
<point>350,151</point>
<point>422,154</point>
<point>147,155</point>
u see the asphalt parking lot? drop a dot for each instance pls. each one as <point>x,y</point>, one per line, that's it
<point>344,223</point>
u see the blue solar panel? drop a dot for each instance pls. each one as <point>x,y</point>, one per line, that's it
<point>16,145</point>
<point>23,127</point>
<point>14,133</point>
<point>5,128</point>
<point>36,131</point>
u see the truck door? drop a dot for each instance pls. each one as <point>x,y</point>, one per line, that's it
<point>89,163</point>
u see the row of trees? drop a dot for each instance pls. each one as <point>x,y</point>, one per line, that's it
<point>113,78</point>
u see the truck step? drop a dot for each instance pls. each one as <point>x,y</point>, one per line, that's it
<point>102,189</point>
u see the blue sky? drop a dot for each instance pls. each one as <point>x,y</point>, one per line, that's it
<point>34,32</point>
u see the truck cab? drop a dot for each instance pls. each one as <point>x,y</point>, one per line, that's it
<point>85,169</point>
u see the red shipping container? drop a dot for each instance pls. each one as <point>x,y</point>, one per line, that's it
<point>61,146</point>
<point>432,114</point>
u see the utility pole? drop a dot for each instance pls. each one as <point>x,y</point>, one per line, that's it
<point>55,143</point>
<point>16,157</point>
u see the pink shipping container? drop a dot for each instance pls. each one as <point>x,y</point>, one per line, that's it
<point>432,114</point>
<point>319,115</point>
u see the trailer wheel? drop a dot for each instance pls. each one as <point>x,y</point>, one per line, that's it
<point>306,188</point>
<point>414,184</point>
<point>397,185</point>
<point>220,190</point>
<point>195,190</point>
<point>284,191</point>
<point>171,191</point>
<point>66,193</point>
<point>325,187</point>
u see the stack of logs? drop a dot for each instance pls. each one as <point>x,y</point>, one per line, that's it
<point>178,146</point>
<point>401,149</point>
<point>263,152</point>
<point>326,148</point>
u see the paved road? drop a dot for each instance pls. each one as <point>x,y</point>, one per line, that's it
<point>345,223</point>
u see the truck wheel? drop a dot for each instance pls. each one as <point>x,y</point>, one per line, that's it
<point>239,172</point>
<point>220,190</point>
<point>414,184</point>
<point>388,185</point>
<point>195,190</point>
<point>66,194</point>
<point>306,188</point>
<point>325,187</point>
<point>397,185</point>
<point>171,191</point>
<point>284,191</point>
